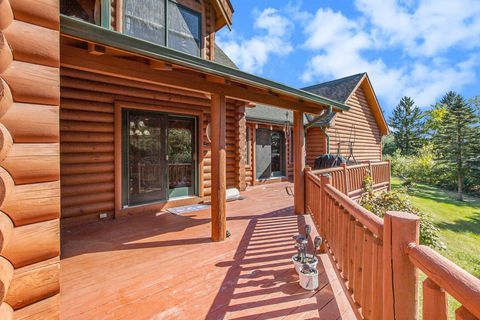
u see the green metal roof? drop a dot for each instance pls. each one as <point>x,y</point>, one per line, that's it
<point>93,33</point>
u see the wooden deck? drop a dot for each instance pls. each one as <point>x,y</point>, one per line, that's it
<point>165,266</point>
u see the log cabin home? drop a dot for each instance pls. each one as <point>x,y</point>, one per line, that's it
<point>118,109</point>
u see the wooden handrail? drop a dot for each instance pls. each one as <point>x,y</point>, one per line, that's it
<point>365,217</point>
<point>361,165</point>
<point>463,286</point>
<point>328,170</point>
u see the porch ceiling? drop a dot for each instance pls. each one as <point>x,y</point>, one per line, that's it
<point>133,58</point>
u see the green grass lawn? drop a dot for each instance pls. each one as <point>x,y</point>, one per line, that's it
<point>459,224</point>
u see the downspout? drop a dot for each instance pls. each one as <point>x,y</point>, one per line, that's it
<point>328,138</point>
<point>319,118</point>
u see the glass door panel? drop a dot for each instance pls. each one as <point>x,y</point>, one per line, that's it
<point>181,156</point>
<point>144,166</point>
<point>263,154</point>
<point>278,151</point>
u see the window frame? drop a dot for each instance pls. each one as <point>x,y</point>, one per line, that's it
<point>166,29</point>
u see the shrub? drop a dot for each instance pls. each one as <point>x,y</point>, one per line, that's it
<point>380,203</point>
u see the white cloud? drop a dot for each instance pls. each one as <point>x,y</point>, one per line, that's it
<point>253,53</point>
<point>418,35</point>
<point>430,28</point>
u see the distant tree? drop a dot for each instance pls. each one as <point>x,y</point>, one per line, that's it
<point>455,136</point>
<point>388,145</point>
<point>408,126</point>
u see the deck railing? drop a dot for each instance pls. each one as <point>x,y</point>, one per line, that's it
<point>379,258</point>
<point>349,179</point>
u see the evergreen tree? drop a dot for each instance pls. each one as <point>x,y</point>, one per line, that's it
<point>408,126</point>
<point>456,136</point>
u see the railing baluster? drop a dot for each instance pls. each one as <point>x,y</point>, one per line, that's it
<point>377,282</point>
<point>367,288</point>
<point>357,291</point>
<point>345,242</point>
<point>435,302</point>
<point>351,254</point>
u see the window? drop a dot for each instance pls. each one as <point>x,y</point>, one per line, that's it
<point>145,19</point>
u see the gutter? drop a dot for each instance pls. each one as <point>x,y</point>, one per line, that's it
<point>319,118</point>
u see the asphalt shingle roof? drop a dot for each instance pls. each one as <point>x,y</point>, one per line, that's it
<point>222,58</point>
<point>338,90</point>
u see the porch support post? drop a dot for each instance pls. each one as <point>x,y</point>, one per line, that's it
<point>219,157</point>
<point>299,162</point>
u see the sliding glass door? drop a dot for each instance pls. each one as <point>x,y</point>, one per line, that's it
<point>159,157</point>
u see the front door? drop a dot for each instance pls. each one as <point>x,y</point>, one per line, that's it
<point>269,154</point>
<point>159,157</point>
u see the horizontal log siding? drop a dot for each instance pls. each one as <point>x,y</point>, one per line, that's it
<point>316,145</point>
<point>368,137</point>
<point>29,159</point>
<point>87,136</point>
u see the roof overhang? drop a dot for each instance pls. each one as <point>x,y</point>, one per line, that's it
<point>223,13</point>
<point>133,58</point>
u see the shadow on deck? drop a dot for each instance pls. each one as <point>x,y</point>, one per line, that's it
<point>164,266</point>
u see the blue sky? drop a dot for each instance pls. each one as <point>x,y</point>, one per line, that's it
<point>420,48</point>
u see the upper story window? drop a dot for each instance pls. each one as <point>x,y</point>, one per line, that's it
<point>145,19</point>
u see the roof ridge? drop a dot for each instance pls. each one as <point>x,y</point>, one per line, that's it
<point>333,81</point>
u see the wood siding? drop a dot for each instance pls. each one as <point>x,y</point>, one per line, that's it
<point>316,144</point>
<point>368,138</point>
<point>29,159</point>
<point>87,136</point>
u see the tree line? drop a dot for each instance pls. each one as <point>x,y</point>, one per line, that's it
<point>440,145</point>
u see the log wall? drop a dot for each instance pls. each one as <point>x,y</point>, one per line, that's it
<point>87,137</point>
<point>368,144</point>
<point>316,144</point>
<point>29,159</point>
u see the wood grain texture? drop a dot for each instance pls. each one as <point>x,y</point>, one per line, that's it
<point>6,99</point>
<point>6,14</point>
<point>33,243</point>
<point>6,276</point>
<point>33,283</point>
<point>6,56</point>
<point>33,83</point>
<point>33,163</point>
<point>39,12</point>
<point>47,309</point>
<point>20,36</point>
<point>31,203</point>
<point>39,123</point>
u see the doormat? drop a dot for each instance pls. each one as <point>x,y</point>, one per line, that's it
<point>190,208</point>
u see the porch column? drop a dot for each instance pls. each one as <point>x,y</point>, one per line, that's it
<point>299,162</point>
<point>219,175</point>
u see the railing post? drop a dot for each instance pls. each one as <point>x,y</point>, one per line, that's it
<point>345,177</point>
<point>400,294</point>
<point>324,180</point>
<point>389,173</point>
<point>370,168</point>
<point>435,302</point>
<point>308,197</point>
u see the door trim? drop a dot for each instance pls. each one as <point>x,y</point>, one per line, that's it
<point>119,106</point>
